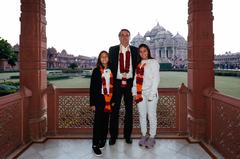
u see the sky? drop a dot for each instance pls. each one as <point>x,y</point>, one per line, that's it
<point>87,27</point>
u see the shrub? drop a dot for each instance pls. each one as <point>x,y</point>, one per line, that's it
<point>16,84</point>
<point>227,73</point>
<point>14,77</point>
<point>165,66</point>
<point>57,77</point>
<point>7,89</point>
<point>6,92</point>
<point>69,70</point>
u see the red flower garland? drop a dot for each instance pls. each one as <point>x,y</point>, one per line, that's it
<point>126,68</point>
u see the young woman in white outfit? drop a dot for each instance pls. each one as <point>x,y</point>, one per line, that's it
<point>145,92</point>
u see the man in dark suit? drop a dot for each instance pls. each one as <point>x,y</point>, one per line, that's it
<point>123,58</point>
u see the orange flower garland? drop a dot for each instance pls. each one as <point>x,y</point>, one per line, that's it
<point>107,96</point>
<point>139,82</point>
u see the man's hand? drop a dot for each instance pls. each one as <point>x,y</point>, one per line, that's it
<point>113,104</point>
<point>134,100</point>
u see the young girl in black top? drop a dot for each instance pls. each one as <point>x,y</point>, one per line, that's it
<point>101,90</point>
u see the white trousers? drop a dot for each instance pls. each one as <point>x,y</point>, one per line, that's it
<point>148,109</point>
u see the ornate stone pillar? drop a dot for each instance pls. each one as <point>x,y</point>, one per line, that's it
<point>156,52</point>
<point>200,63</point>
<point>33,57</point>
<point>165,52</point>
<point>173,52</point>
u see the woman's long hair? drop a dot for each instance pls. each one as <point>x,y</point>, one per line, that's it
<point>148,50</point>
<point>99,64</point>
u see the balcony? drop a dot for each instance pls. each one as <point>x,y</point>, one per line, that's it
<point>69,112</point>
<point>69,121</point>
<point>194,121</point>
<point>81,149</point>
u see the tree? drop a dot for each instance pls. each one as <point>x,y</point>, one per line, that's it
<point>52,52</point>
<point>7,52</point>
<point>6,49</point>
<point>73,66</point>
<point>13,59</point>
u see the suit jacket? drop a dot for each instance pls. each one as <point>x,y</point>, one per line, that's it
<point>113,55</point>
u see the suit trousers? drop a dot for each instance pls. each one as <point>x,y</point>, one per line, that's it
<point>126,93</point>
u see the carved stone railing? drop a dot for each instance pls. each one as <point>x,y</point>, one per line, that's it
<point>13,121</point>
<point>69,112</point>
<point>223,123</point>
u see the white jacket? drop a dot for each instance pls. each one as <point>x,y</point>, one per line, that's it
<point>151,79</point>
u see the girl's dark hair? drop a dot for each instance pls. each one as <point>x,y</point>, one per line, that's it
<point>99,64</point>
<point>148,50</point>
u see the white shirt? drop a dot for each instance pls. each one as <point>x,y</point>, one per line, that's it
<point>124,50</point>
<point>106,74</point>
<point>151,79</point>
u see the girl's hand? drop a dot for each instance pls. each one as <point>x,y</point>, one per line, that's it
<point>134,97</point>
<point>93,108</point>
<point>134,102</point>
<point>113,104</point>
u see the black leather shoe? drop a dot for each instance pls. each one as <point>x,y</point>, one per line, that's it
<point>112,141</point>
<point>97,151</point>
<point>128,141</point>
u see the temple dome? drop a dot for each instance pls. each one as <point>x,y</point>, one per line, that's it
<point>147,34</point>
<point>178,37</point>
<point>138,37</point>
<point>163,34</point>
<point>156,29</point>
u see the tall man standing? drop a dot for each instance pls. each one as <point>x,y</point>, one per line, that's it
<point>123,60</point>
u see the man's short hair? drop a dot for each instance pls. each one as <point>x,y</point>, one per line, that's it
<point>122,31</point>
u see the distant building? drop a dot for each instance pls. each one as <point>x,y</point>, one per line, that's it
<point>62,60</point>
<point>227,61</point>
<point>164,47</point>
<point>4,66</point>
<point>55,60</point>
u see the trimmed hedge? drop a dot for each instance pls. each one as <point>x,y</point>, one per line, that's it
<point>14,77</point>
<point>11,71</point>
<point>57,77</point>
<point>165,66</point>
<point>7,89</point>
<point>16,84</point>
<point>69,70</point>
<point>227,73</point>
<point>174,70</point>
<point>52,77</point>
<point>216,72</point>
<point>6,92</point>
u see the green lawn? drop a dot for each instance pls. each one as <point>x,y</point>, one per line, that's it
<point>7,75</point>
<point>227,85</point>
<point>168,79</point>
